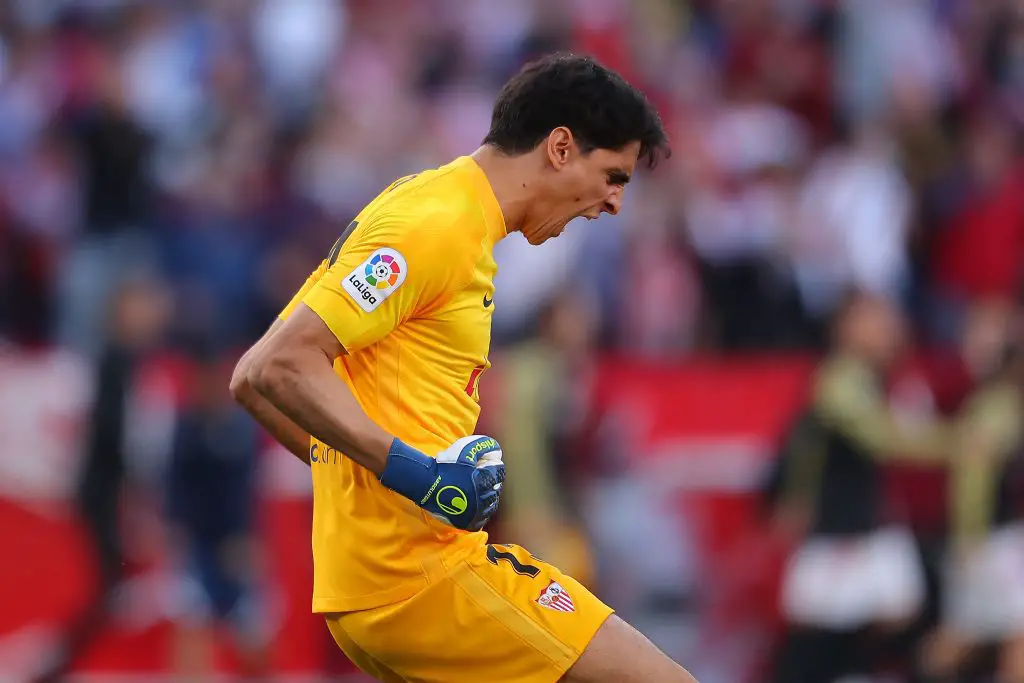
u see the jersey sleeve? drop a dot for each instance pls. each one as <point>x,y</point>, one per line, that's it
<point>313,278</point>
<point>851,401</point>
<point>991,423</point>
<point>989,435</point>
<point>389,272</point>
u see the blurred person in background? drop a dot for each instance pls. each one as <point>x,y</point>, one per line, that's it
<point>541,406</point>
<point>136,325</point>
<point>227,129</point>
<point>112,152</point>
<point>979,250</point>
<point>938,381</point>
<point>211,510</point>
<point>736,215</point>
<point>983,591</point>
<point>856,565</point>
<point>850,224</point>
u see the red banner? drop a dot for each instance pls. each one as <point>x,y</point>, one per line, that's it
<point>702,430</point>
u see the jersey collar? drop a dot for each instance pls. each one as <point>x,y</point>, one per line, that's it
<point>492,210</point>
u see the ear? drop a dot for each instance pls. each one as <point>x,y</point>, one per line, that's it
<point>560,146</point>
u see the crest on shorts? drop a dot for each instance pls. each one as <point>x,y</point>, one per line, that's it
<point>556,598</point>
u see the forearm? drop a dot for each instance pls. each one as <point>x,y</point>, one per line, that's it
<point>877,432</point>
<point>971,504</point>
<point>305,389</point>
<point>278,425</point>
<point>284,430</point>
<point>927,444</point>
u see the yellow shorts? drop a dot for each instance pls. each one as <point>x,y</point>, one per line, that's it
<point>499,615</point>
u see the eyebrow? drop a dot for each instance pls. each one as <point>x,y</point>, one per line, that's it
<point>618,177</point>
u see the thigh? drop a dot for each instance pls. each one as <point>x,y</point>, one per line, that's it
<point>618,653</point>
<point>500,615</point>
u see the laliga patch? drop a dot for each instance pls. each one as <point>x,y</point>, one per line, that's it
<point>556,598</point>
<point>376,278</point>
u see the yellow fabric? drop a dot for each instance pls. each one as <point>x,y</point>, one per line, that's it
<point>849,398</point>
<point>413,362</point>
<point>313,278</point>
<point>989,432</point>
<point>479,620</point>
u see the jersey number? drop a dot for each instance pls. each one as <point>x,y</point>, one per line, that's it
<point>493,555</point>
<point>332,256</point>
<point>474,381</point>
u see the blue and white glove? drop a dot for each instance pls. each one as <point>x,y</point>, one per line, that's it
<point>461,487</point>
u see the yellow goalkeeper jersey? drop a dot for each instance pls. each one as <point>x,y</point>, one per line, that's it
<point>407,289</point>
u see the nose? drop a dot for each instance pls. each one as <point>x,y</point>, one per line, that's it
<point>613,204</point>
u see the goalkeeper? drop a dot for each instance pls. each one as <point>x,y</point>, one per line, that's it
<point>372,377</point>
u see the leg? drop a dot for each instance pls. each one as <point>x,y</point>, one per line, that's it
<point>193,656</point>
<point>193,605</point>
<point>944,655</point>
<point>619,653</point>
<point>808,655</point>
<point>99,516</point>
<point>240,604</point>
<point>501,615</point>
<point>1011,661</point>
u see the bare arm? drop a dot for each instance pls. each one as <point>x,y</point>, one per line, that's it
<point>294,371</point>
<point>284,430</point>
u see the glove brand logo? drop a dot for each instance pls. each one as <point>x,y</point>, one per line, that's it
<point>478,447</point>
<point>452,500</point>
<point>430,491</point>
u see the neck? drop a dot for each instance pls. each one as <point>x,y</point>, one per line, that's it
<point>513,180</point>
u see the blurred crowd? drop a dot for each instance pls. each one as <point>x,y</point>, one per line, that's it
<point>171,170</point>
<point>820,144</point>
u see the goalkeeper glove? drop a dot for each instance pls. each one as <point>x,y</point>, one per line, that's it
<point>461,487</point>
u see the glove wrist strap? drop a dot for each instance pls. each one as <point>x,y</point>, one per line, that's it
<point>408,471</point>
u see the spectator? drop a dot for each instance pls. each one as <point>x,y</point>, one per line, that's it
<point>983,601</point>
<point>211,509</point>
<point>113,152</point>
<point>980,252</point>
<point>857,565</point>
<point>137,322</point>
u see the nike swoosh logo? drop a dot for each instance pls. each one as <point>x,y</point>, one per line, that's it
<point>487,302</point>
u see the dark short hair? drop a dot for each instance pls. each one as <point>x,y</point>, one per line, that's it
<point>601,109</point>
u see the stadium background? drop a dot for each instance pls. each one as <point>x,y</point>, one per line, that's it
<point>208,152</point>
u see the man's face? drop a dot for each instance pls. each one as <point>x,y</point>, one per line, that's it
<point>876,329</point>
<point>986,333</point>
<point>578,184</point>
